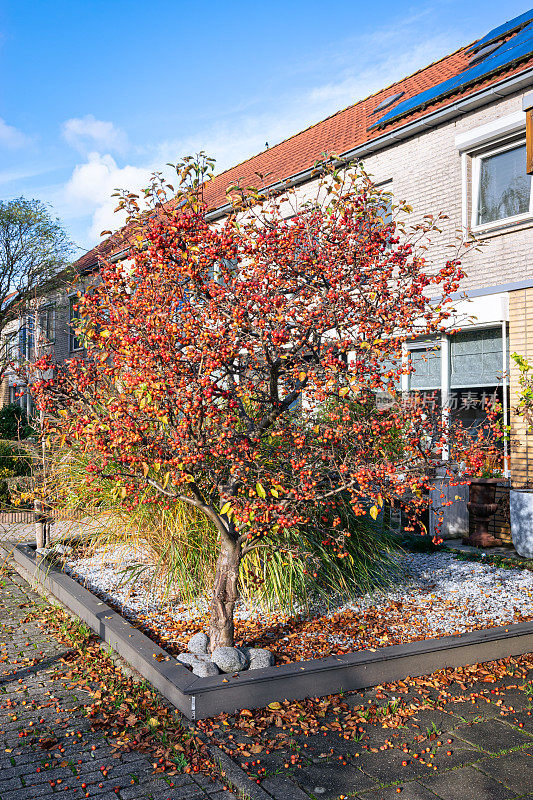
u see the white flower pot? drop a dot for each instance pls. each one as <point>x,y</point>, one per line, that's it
<point>521,505</point>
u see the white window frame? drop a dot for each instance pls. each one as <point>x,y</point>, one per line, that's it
<point>73,339</point>
<point>476,172</point>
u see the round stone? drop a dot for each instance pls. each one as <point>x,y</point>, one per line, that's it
<point>259,657</point>
<point>229,659</point>
<point>190,659</point>
<point>198,643</point>
<point>205,669</point>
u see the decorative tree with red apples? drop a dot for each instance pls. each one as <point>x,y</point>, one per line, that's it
<point>235,366</point>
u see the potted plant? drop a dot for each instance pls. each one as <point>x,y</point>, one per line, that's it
<point>521,499</point>
<point>482,504</point>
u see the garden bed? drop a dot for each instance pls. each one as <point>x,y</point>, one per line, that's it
<point>203,697</point>
<point>429,596</point>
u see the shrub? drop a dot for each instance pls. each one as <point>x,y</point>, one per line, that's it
<point>13,422</point>
<point>15,459</point>
<point>181,546</point>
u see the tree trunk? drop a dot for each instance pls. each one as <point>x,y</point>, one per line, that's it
<point>225,594</point>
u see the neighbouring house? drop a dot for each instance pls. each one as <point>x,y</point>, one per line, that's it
<point>451,138</point>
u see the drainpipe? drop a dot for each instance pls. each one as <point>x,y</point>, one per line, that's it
<point>505,383</point>
<point>445,390</point>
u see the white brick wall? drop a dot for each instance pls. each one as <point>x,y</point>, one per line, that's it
<point>426,172</point>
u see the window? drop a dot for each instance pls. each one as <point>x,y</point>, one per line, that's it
<point>47,323</point>
<point>476,358</point>
<point>75,342</point>
<point>501,186</point>
<point>26,339</point>
<point>425,362</point>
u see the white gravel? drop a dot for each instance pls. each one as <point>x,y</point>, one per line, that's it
<point>434,595</point>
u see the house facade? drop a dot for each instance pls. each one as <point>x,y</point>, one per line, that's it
<point>451,138</point>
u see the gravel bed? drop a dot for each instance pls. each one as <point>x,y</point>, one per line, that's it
<point>431,595</point>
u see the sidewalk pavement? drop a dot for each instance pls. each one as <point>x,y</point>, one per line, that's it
<point>464,734</point>
<point>35,698</point>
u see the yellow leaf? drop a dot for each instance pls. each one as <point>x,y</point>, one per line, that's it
<point>260,491</point>
<point>379,501</point>
<point>225,508</point>
<point>145,468</point>
<point>274,492</point>
<point>344,391</point>
<point>105,334</point>
<point>166,480</point>
<point>374,511</point>
<point>302,376</point>
<point>275,706</point>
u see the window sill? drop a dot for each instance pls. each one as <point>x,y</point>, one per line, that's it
<point>500,230</point>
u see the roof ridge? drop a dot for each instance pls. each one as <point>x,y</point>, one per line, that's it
<point>342,110</point>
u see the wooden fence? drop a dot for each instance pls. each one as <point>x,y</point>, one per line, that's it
<point>28,517</point>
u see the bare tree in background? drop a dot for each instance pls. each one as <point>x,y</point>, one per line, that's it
<point>34,254</point>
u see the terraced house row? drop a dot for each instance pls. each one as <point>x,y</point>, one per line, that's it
<point>456,137</point>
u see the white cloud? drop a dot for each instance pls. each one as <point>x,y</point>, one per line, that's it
<point>11,137</point>
<point>86,134</point>
<point>91,185</point>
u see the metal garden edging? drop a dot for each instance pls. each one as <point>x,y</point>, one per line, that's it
<point>198,698</point>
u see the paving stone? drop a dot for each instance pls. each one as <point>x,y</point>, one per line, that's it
<point>409,791</point>
<point>522,719</point>
<point>329,780</point>
<point>432,718</point>
<point>45,684</point>
<point>492,736</point>
<point>467,711</point>
<point>468,784</point>
<point>386,766</point>
<point>206,783</point>
<point>283,789</point>
<point>514,770</point>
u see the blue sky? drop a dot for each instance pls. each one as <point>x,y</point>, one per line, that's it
<point>96,95</point>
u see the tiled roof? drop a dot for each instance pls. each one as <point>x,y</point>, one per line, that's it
<point>339,133</point>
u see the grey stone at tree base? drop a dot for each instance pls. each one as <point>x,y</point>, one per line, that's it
<point>205,669</point>
<point>259,657</point>
<point>521,510</point>
<point>200,663</point>
<point>198,643</point>
<point>190,659</point>
<point>229,659</point>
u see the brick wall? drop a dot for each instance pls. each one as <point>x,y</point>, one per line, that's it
<point>521,342</point>
<point>426,172</point>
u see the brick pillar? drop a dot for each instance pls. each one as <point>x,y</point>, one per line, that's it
<point>521,342</point>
